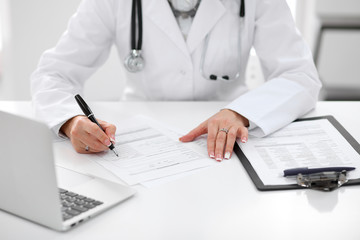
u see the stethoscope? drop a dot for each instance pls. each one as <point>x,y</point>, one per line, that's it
<point>206,43</point>
<point>135,62</point>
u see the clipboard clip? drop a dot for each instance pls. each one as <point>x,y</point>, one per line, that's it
<point>324,181</point>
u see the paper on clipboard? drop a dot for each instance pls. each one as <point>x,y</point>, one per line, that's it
<point>315,143</point>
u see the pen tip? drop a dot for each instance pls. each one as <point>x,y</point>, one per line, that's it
<point>115,152</point>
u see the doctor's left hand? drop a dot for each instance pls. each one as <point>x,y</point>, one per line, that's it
<point>223,128</point>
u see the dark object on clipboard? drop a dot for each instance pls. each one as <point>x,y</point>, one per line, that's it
<point>324,179</point>
<point>334,179</point>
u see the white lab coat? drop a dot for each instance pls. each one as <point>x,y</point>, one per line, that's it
<point>172,70</point>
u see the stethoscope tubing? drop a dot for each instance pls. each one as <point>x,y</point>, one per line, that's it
<point>136,6</point>
<point>203,57</point>
<point>205,48</point>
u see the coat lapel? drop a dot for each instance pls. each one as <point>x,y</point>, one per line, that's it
<point>208,14</point>
<point>160,13</point>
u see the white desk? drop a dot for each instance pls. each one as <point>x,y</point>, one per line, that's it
<point>219,202</point>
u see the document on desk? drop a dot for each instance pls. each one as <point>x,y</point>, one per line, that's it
<point>148,152</point>
<point>315,143</point>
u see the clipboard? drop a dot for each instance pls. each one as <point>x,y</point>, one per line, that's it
<point>260,185</point>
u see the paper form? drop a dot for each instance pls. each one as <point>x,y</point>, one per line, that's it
<point>147,153</point>
<point>315,143</point>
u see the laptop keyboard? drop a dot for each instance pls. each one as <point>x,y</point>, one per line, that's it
<point>74,204</point>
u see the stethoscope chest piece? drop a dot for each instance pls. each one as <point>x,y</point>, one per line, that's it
<point>134,62</point>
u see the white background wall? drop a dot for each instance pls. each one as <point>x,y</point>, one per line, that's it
<point>29,28</point>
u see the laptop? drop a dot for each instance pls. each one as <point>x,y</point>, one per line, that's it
<point>29,179</point>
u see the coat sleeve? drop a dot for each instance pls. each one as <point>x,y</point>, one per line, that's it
<point>292,84</point>
<point>63,70</point>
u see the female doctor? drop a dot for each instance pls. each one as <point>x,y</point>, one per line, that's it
<point>181,50</point>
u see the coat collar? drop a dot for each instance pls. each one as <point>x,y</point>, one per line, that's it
<point>208,14</point>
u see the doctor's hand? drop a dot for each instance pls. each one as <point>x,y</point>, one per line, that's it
<point>223,128</point>
<point>86,136</point>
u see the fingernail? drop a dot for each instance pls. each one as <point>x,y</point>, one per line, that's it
<point>107,142</point>
<point>212,155</point>
<point>227,155</point>
<point>218,158</point>
<point>112,138</point>
<point>244,140</point>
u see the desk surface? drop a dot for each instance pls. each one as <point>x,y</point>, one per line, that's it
<point>219,202</point>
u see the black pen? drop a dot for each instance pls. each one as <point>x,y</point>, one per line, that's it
<point>305,170</point>
<point>87,111</point>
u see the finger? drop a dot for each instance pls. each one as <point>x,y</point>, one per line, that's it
<point>212,132</point>
<point>220,145</point>
<point>109,128</point>
<point>85,149</point>
<point>196,132</point>
<point>80,147</point>
<point>243,134</point>
<point>94,144</point>
<point>230,141</point>
<point>100,136</point>
<point>82,138</point>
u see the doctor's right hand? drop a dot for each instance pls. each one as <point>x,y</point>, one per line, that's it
<point>86,136</point>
